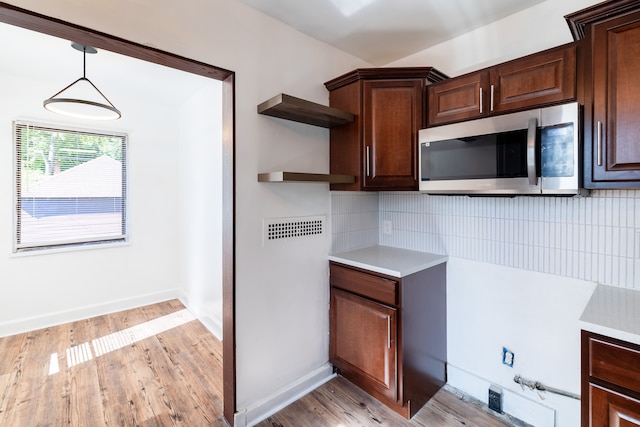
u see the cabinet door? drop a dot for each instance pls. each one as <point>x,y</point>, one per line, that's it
<point>609,409</point>
<point>363,342</point>
<point>458,99</point>
<point>532,81</point>
<point>616,100</point>
<point>392,116</point>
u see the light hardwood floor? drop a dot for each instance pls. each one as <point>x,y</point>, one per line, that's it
<point>156,366</point>
<point>114,370</point>
<point>338,403</point>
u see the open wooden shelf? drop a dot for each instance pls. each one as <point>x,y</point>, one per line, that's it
<point>305,177</point>
<point>299,110</point>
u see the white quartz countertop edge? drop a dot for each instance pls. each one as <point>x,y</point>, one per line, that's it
<point>611,332</point>
<point>388,260</point>
<point>613,311</point>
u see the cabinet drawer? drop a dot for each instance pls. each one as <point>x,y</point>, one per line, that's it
<point>614,363</point>
<point>367,285</point>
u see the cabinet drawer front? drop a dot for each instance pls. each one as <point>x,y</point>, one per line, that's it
<point>368,285</point>
<point>614,363</point>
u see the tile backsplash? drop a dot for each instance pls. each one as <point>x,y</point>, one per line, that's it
<point>354,220</point>
<point>593,238</point>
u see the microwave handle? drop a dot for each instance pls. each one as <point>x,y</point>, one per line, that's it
<point>531,151</point>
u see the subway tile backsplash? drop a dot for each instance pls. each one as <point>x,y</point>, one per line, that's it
<point>594,238</point>
<point>355,220</point>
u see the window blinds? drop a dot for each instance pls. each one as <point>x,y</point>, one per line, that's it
<point>71,186</point>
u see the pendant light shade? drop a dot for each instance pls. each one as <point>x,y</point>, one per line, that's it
<point>82,99</point>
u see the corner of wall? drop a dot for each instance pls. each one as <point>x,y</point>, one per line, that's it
<point>516,405</point>
<point>212,324</point>
<point>259,411</point>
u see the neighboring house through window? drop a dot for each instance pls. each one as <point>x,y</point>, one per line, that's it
<point>71,186</point>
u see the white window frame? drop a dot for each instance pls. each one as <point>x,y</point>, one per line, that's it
<point>72,244</point>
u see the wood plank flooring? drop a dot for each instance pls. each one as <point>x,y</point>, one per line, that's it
<point>338,403</point>
<point>132,368</point>
<point>156,366</point>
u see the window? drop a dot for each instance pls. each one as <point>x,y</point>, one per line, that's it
<point>71,187</point>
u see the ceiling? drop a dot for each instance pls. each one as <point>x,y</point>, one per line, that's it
<point>382,31</point>
<point>51,60</point>
<point>377,31</point>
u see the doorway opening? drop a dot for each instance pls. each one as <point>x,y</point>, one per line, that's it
<point>51,26</point>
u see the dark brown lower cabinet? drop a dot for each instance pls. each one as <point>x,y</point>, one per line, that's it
<point>609,409</point>
<point>388,334</point>
<point>610,382</point>
<point>365,341</point>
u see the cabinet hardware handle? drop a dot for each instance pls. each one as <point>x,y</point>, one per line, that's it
<point>368,160</point>
<point>599,143</point>
<point>491,98</point>
<point>388,331</point>
<point>480,99</point>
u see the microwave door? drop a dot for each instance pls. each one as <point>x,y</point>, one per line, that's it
<point>502,163</point>
<point>559,151</point>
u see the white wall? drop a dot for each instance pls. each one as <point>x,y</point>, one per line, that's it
<point>540,27</point>
<point>40,289</point>
<point>200,201</point>
<point>281,290</point>
<point>533,314</point>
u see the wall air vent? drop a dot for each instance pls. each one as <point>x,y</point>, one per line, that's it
<point>277,229</point>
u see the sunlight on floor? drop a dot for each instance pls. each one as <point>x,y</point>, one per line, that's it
<point>99,346</point>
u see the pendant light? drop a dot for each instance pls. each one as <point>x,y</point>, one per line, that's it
<point>82,98</point>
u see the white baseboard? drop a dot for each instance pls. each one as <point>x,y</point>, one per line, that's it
<point>59,317</point>
<point>213,325</point>
<point>514,404</point>
<point>259,411</point>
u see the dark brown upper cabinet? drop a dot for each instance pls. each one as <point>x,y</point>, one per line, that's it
<point>544,78</point>
<point>380,147</point>
<point>610,37</point>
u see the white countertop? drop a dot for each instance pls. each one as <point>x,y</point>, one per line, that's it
<point>394,262</point>
<point>614,312</point>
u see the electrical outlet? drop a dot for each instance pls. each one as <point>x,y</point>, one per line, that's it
<point>507,357</point>
<point>495,398</point>
<point>386,227</point>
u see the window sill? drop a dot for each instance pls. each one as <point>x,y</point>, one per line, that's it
<point>70,248</point>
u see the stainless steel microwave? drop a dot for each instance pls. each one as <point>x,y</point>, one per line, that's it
<point>533,152</point>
